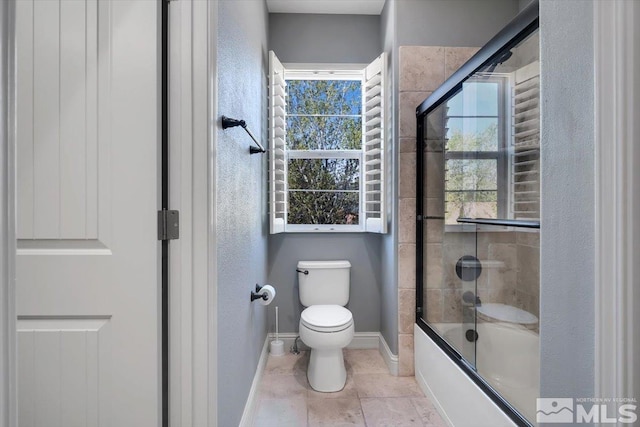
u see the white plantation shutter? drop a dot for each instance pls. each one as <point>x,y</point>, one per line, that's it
<point>373,146</point>
<point>525,144</point>
<point>278,197</point>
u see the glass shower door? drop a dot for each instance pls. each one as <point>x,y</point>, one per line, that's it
<point>449,256</point>
<point>478,243</point>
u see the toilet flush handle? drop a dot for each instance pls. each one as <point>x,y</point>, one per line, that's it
<point>305,272</point>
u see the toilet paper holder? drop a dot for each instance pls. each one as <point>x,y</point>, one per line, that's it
<point>255,295</point>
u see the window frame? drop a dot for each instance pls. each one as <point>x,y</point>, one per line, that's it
<point>351,72</point>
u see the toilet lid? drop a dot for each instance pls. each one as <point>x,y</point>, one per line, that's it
<point>507,313</point>
<point>326,317</point>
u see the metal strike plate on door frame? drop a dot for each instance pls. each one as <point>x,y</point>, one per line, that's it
<point>168,225</point>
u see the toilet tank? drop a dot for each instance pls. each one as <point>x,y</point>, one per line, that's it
<point>327,282</point>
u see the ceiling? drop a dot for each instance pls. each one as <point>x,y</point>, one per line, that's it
<point>342,7</point>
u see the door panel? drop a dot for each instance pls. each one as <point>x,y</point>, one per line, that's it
<point>88,133</point>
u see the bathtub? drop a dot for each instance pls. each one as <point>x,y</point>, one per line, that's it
<point>507,356</point>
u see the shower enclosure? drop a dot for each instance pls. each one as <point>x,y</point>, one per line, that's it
<point>478,217</point>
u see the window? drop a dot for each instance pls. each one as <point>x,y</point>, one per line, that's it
<point>326,149</point>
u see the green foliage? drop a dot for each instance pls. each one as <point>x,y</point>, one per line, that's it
<point>323,115</point>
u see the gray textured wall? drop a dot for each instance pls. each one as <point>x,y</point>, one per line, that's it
<point>566,263</point>
<point>241,205</point>
<point>309,38</point>
<point>388,246</point>
<point>362,250</point>
<point>454,23</point>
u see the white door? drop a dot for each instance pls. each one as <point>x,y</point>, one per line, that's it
<point>88,134</point>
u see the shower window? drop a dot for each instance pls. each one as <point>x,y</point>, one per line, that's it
<point>327,149</point>
<point>475,160</point>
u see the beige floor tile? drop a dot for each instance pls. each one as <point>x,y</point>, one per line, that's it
<point>287,364</point>
<point>284,386</point>
<point>281,413</point>
<point>335,412</point>
<point>427,412</point>
<point>348,392</point>
<point>365,362</point>
<point>390,412</point>
<point>386,385</point>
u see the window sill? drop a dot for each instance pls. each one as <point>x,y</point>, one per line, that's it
<point>324,229</point>
<point>470,228</point>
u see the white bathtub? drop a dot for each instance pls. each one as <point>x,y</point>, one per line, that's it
<point>507,356</point>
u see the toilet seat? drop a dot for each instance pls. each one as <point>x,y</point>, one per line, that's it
<point>326,318</point>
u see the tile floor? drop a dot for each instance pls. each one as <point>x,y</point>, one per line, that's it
<point>371,397</point>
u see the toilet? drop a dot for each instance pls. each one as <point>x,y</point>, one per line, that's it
<point>326,326</point>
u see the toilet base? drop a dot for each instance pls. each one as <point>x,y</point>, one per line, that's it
<point>326,372</point>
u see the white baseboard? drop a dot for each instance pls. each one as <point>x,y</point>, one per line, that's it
<point>361,341</point>
<point>252,399</point>
<point>389,358</point>
<point>365,340</point>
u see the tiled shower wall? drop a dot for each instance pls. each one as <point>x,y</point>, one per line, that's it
<point>421,70</point>
<point>510,273</point>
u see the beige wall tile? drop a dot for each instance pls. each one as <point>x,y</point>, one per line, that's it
<point>407,221</point>
<point>528,239</point>
<point>406,310</point>
<point>435,125</point>
<point>406,365</point>
<point>434,145</point>
<point>433,304</point>
<point>434,230</point>
<point>434,175</point>
<point>421,67</point>
<point>528,270</point>
<point>409,101</point>
<point>435,207</point>
<point>407,265</point>
<point>407,175</point>
<point>454,57</point>
<point>505,276</point>
<point>407,145</point>
<point>452,312</point>
<point>433,266</point>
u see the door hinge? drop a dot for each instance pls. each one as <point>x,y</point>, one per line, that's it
<point>168,225</point>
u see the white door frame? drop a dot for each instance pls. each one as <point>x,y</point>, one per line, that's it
<point>192,258</point>
<point>8,370</point>
<point>617,213</point>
